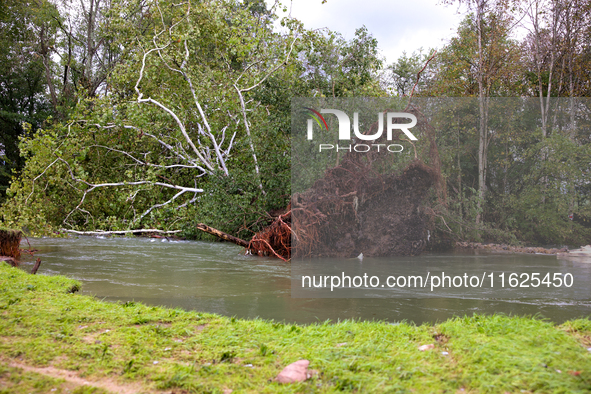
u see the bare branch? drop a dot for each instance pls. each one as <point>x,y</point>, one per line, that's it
<point>419,73</point>
<point>143,230</point>
<point>37,177</point>
<point>274,69</point>
<point>161,205</point>
<point>247,127</point>
<point>145,163</point>
<point>92,186</point>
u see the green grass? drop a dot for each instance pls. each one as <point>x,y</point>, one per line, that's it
<point>171,350</point>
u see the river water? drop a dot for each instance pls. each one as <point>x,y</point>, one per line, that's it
<point>216,277</point>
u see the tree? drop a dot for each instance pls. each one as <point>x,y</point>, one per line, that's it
<point>486,62</point>
<point>404,72</point>
<point>333,67</point>
<point>22,79</point>
<point>176,121</point>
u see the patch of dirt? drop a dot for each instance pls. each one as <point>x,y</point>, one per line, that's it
<point>582,337</point>
<point>10,339</point>
<point>107,384</point>
<point>585,340</point>
<point>6,383</point>
<point>91,338</point>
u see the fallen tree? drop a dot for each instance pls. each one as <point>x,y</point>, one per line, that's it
<point>358,207</point>
<point>351,211</point>
<point>363,205</point>
<point>377,215</point>
<point>122,232</point>
<point>274,240</point>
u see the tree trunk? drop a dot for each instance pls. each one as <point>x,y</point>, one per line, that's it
<point>36,266</point>
<point>483,111</point>
<point>222,235</point>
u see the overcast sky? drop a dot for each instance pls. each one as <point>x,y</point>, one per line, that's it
<point>398,25</point>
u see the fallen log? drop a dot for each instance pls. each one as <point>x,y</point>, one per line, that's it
<point>36,266</point>
<point>222,235</point>
<point>144,230</point>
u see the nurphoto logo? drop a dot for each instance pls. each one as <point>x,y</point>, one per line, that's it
<point>345,130</point>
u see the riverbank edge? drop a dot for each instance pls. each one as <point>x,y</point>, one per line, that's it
<point>52,338</point>
<point>503,248</point>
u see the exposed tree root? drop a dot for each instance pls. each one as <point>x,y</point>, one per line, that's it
<point>10,241</point>
<point>358,207</point>
<point>275,240</point>
<point>352,210</point>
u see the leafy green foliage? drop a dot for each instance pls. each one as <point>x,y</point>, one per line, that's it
<point>22,79</point>
<point>534,183</point>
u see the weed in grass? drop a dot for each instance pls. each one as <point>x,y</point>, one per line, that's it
<point>227,357</point>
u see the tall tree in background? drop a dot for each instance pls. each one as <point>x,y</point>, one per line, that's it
<point>333,67</point>
<point>24,48</point>
<point>52,54</point>
<point>555,49</point>
<point>480,62</point>
<point>402,74</point>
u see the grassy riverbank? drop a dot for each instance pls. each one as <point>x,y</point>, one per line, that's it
<point>55,341</point>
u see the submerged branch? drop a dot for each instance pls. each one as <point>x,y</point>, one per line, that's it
<point>222,235</point>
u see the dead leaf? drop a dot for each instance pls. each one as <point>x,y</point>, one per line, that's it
<point>574,373</point>
<point>294,372</point>
<point>426,347</point>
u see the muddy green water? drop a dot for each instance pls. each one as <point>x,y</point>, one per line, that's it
<point>217,278</point>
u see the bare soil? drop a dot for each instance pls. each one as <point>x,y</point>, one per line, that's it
<point>71,377</point>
